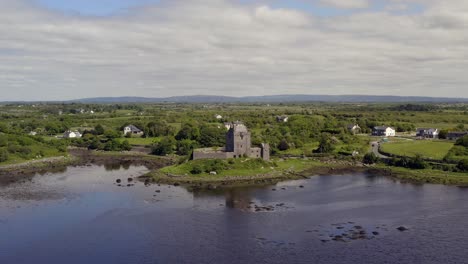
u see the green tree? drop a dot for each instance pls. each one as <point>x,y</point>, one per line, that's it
<point>283,145</point>
<point>3,155</point>
<point>125,145</point>
<point>443,134</point>
<point>212,136</point>
<point>462,141</point>
<point>99,129</point>
<point>463,165</point>
<point>326,144</point>
<point>185,147</point>
<point>164,147</point>
<point>370,158</point>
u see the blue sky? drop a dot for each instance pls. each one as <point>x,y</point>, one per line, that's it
<point>93,7</point>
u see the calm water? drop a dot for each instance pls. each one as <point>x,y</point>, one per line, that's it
<point>82,216</point>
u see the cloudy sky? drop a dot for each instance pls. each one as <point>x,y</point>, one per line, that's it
<point>57,49</point>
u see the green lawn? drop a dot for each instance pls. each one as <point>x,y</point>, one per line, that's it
<point>239,167</point>
<point>427,148</point>
<point>141,141</point>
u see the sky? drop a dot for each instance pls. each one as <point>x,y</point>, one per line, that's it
<point>61,50</point>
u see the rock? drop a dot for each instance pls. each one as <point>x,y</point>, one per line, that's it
<point>130,179</point>
<point>273,189</point>
<point>375,233</point>
<point>402,228</point>
<point>358,227</point>
<point>118,181</point>
<point>301,186</point>
<point>176,184</point>
<point>158,191</point>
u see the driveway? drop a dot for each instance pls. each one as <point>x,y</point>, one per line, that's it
<point>375,150</point>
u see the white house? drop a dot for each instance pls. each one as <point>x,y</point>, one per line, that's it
<point>383,131</point>
<point>218,116</point>
<point>133,130</point>
<point>427,132</point>
<point>32,133</point>
<point>72,134</point>
<point>353,128</point>
<point>282,119</point>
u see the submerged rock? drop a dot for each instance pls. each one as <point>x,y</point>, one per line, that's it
<point>118,181</point>
<point>402,228</point>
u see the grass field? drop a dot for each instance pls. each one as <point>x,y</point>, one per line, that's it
<point>427,148</point>
<point>239,167</point>
<point>141,141</point>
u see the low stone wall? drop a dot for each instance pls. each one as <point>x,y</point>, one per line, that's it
<point>201,154</point>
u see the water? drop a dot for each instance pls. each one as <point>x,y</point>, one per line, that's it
<point>81,215</point>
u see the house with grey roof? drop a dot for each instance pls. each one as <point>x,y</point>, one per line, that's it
<point>427,132</point>
<point>456,135</point>
<point>132,130</point>
<point>384,131</point>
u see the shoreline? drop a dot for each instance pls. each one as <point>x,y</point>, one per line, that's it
<point>22,171</point>
<point>76,157</point>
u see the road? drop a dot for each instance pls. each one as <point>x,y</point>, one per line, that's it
<point>375,150</point>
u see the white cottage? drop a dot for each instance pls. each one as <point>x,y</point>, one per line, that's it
<point>72,134</point>
<point>383,131</point>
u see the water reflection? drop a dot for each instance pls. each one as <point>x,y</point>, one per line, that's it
<point>113,166</point>
<point>238,198</point>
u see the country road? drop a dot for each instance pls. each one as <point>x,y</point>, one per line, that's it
<point>375,150</point>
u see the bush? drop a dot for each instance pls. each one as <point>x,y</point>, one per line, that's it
<point>196,169</point>
<point>463,165</point>
<point>283,145</point>
<point>370,158</point>
<point>3,155</point>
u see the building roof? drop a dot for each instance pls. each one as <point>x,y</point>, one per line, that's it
<point>351,126</point>
<point>382,127</point>
<point>133,128</point>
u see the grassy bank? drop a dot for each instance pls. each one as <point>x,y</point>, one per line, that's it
<point>425,176</point>
<point>245,171</point>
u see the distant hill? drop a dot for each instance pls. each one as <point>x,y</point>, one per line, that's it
<point>275,99</point>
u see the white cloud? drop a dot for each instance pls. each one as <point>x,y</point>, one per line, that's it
<point>226,48</point>
<point>346,3</point>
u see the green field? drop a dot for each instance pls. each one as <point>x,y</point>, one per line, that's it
<point>141,140</point>
<point>427,148</point>
<point>238,167</point>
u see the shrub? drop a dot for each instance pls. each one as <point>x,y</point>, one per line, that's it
<point>463,165</point>
<point>370,158</point>
<point>196,169</point>
<point>3,155</point>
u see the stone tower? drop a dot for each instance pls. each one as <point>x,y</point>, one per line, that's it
<point>265,151</point>
<point>238,140</point>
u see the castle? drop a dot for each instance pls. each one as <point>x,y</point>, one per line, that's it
<point>238,144</point>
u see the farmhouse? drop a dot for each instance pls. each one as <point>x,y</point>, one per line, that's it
<point>353,128</point>
<point>71,134</point>
<point>456,135</point>
<point>238,144</point>
<point>132,130</point>
<point>383,131</point>
<point>282,119</point>
<point>427,132</point>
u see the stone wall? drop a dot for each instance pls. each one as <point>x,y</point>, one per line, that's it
<point>204,154</point>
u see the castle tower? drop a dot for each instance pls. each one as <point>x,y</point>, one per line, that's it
<point>238,140</point>
<point>266,151</point>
